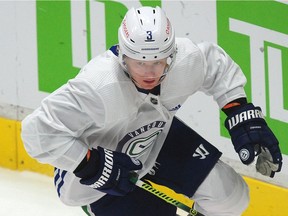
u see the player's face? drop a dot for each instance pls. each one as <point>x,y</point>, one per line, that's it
<point>146,74</point>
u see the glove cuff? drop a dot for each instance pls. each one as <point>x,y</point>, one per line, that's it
<point>88,168</point>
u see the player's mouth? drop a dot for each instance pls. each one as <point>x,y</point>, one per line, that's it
<point>149,81</point>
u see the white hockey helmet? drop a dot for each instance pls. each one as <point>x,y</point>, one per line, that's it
<point>146,34</point>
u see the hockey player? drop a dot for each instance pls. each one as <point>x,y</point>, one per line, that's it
<point>117,116</point>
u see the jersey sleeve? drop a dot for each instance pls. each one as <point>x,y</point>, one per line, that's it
<point>57,133</point>
<point>224,79</point>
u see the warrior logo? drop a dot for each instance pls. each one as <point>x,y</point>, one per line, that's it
<point>243,116</point>
<point>244,154</point>
<point>201,152</point>
<point>107,170</point>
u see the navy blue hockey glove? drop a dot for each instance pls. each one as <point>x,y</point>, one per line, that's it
<point>251,136</point>
<point>108,171</point>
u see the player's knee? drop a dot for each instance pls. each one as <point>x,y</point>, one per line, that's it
<point>234,203</point>
<point>237,202</point>
<point>224,192</point>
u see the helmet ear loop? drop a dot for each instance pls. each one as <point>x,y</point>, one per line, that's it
<point>166,69</point>
<point>124,66</point>
<point>168,66</point>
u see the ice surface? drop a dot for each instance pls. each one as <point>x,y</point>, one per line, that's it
<point>32,194</point>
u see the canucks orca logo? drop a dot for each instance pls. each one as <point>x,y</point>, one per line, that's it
<point>138,146</point>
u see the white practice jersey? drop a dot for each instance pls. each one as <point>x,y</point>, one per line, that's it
<point>102,107</point>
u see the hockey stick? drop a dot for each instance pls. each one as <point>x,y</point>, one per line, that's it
<point>163,196</point>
